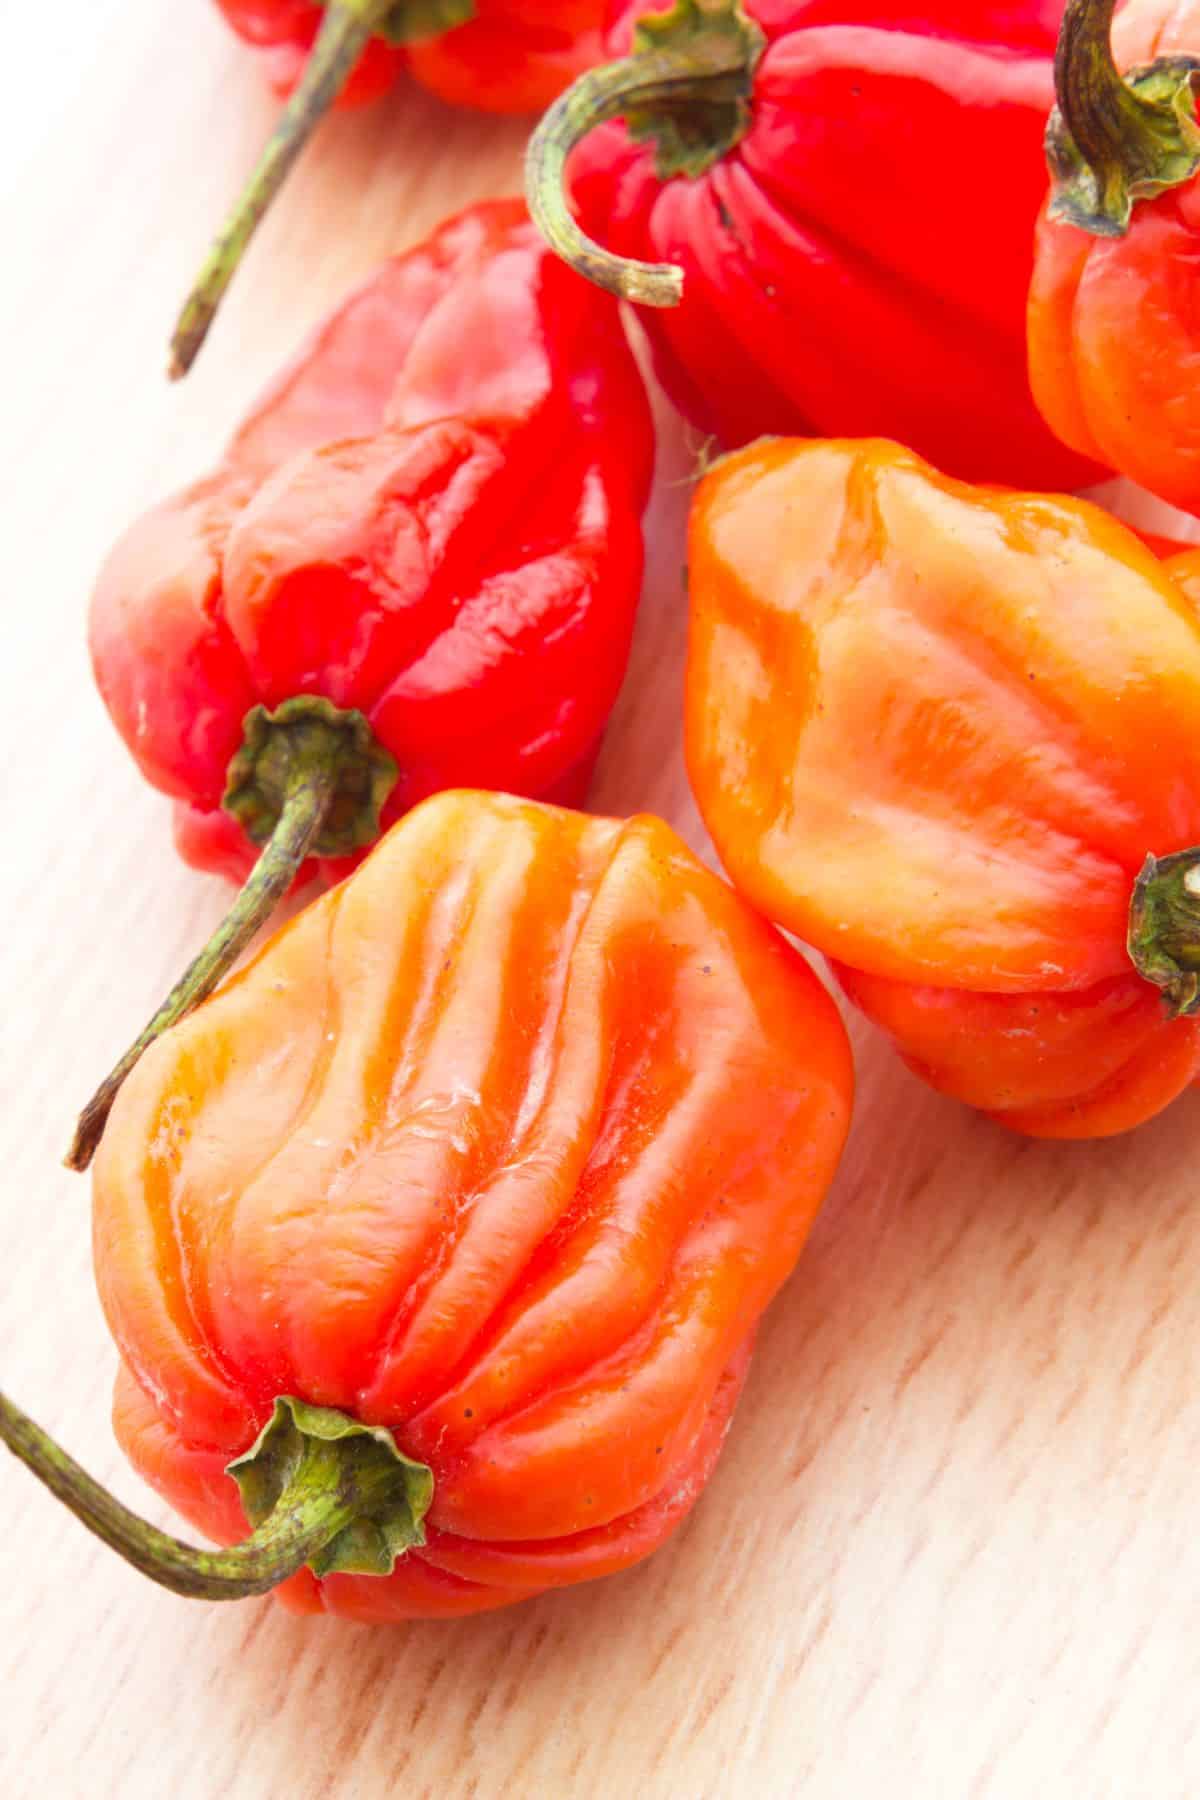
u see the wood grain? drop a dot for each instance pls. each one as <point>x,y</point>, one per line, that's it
<point>951,1549</point>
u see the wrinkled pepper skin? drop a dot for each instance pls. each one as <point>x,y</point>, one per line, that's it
<point>1114,334</point>
<point>505,1144</point>
<point>432,515</point>
<point>514,56</point>
<point>859,263</point>
<point>935,731</point>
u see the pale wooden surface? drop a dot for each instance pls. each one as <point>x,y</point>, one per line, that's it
<point>953,1546</point>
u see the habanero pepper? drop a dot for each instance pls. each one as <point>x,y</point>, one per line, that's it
<point>1114,334</point>
<point>499,56</point>
<point>843,196</point>
<point>417,567</point>
<point>495,1155</point>
<point>950,737</point>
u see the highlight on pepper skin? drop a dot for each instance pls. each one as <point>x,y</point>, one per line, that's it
<point>499,1150</point>
<point>950,737</point>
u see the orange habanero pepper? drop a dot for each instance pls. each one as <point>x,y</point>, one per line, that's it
<point>951,737</point>
<point>445,1226</point>
<point>1113,329</point>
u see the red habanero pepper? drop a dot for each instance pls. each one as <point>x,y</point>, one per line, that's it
<point>1114,330</point>
<point>950,736</point>
<point>445,1227</point>
<point>417,567</point>
<point>837,202</point>
<point>501,56</point>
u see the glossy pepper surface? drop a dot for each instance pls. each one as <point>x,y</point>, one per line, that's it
<point>418,562</point>
<point>1114,333</point>
<point>937,732</point>
<point>502,1146</point>
<point>504,56</point>
<point>848,193</point>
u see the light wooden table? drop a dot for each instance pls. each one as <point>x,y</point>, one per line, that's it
<point>953,1548</point>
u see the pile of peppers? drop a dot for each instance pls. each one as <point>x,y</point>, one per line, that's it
<point>434,1240</point>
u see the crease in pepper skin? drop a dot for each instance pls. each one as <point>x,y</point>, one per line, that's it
<point>417,567</point>
<point>855,244</point>
<point>1113,339</point>
<point>936,731</point>
<point>503,1144</point>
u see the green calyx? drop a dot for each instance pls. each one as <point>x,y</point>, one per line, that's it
<point>1113,139</point>
<point>687,88</point>
<point>402,22</point>
<point>1164,928</point>
<point>321,1490</point>
<point>305,1454</point>
<point>307,743</point>
<point>721,46</point>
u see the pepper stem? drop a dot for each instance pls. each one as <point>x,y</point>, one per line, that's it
<point>1113,140</point>
<point>269,881</point>
<point>346,29</point>
<point>342,1497</point>
<point>687,87</point>
<point>309,777</point>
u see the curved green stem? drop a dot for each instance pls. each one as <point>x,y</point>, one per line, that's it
<point>327,1492</point>
<point>600,95</point>
<point>347,28</point>
<point>1115,140</point>
<point>687,86</point>
<point>1098,109</point>
<point>299,824</point>
<point>277,1549</point>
